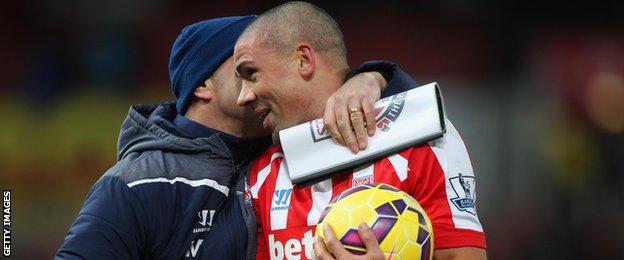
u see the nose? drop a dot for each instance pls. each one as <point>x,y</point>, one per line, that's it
<point>246,95</point>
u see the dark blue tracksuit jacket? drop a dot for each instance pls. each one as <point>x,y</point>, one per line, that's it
<point>176,190</point>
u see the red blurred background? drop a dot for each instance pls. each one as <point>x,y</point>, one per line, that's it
<point>535,87</point>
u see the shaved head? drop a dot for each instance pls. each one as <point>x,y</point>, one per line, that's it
<point>284,26</point>
<point>290,60</point>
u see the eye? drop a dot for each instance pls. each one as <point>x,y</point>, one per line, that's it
<point>252,75</point>
<point>246,71</point>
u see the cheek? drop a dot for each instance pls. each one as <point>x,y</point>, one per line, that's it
<point>263,88</point>
<point>229,90</point>
<point>277,88</point>
<point>267,90</point>
<point>294,105</point>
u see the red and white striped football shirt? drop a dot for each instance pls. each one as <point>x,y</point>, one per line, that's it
<point>439,175</point>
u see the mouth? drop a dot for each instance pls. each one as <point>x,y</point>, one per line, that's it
<point>263,115</point>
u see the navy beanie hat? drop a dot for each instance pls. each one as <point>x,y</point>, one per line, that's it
<point>198,51</point>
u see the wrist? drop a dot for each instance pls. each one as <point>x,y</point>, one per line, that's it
<point>387,69</point>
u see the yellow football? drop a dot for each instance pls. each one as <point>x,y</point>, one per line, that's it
<point>401,226</point>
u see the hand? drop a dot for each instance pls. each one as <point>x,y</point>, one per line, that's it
<point>339,252</point>
<point>350,112</point>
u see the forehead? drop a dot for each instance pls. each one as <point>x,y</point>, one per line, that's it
<point>245,46</point>
<point>253,46</point>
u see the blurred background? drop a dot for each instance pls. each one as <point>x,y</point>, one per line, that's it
<point>535,87</point>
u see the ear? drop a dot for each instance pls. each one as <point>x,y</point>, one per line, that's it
<point>205,91</point>
<point>306,56</point>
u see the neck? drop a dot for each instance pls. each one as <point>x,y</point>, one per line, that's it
<point>329,82</point>
<point>331,74</point>
<point>208,115</point>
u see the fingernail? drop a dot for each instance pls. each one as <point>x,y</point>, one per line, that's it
<point>363,226</point>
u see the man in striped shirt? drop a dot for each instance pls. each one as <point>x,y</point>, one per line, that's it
<point>290,60</point>
<point>176,189</point>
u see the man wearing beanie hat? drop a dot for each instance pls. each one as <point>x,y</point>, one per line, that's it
<point>176,188</point>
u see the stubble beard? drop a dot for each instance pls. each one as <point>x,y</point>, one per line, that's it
<point>275,137</point>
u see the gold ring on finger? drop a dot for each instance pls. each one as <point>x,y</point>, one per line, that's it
<point>354,110</point>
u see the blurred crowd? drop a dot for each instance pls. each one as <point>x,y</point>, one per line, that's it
<point>536,88</point>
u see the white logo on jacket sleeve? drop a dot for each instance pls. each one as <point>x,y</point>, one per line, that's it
<point>203,217</point>
<point>192,251</point>
<point>464,188</point>
<point>205,220</point>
